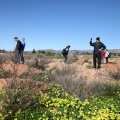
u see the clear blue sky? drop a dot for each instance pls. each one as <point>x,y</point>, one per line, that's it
<point>53,24</point>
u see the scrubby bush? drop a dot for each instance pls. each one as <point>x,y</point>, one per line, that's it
<point>86,61</point>
<point>33,51</point>
<point>19,95</point>
<point>58,56</point>
<point>48,53</point>
<point>102,88</point>
<point>25,75</point>
<point>114,72</point>
<point>5,74</point>
<point>67,79</point>
<point>41,51</point>
<point>39,63</point>
<point>40,77</point>
<point>61,106</point>
<point>3,59</point>
<point>30,100</point>
<point>89,66</point>
<point>72,58</point>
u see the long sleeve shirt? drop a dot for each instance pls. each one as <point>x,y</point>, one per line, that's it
<point>23,45</point>
<point>97,46</point>
<point>18,45</point>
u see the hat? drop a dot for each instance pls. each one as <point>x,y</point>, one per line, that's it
<point>68,46</point>
<point>98,38</point>
<point>15,37</point>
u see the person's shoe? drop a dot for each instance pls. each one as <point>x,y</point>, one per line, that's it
<point>94,68</point>
<point>21,62</point>
<point>99,67</point>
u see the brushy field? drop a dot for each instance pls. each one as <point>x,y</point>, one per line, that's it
<point>40,93</point>
<point>61,106</point>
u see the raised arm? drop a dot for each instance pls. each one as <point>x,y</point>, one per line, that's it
<point>91,44</point>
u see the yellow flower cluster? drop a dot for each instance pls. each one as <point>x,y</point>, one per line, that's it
<point>62,106</point>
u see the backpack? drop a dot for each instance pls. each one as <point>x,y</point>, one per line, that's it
<point>64,52</point>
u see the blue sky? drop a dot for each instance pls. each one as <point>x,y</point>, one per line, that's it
<point>54,24</point>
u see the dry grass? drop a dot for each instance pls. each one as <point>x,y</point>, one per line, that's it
<point>113,72</point>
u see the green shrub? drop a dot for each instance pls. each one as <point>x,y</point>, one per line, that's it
<point>39,77</point>
<point>5,74</point>
<point>102,88</point>
<point>33,51</point>
<point>41,51</point>
<point>19,95</point>
<point>67,79</point>
<point>49,53</point>
<point>112,63</point>
<point>72,58</point>
<point>61,106</point>
<point>89,66</point>
<point>86,61</point>
<point>58,56</point>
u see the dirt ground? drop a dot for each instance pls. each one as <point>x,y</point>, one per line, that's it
<point>79,65</point>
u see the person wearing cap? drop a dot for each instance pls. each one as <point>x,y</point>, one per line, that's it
<point>65,53</point>
<point>18,48</point>
<point>22,50</point>
<point>98,47</point>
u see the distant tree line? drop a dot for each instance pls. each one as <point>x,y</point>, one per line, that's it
<point>49,53</point>
<point>115,54</point>
<point>2,51</point>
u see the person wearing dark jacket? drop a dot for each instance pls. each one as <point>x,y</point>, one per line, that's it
<point>18,48</point>
<point>98,47</point>
<point>65,53</point>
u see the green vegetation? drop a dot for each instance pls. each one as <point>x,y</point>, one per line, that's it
<point>112,63</point>
<point>61,106</point>
<point>86,61</point>
<point>5,74</point>
<point>59,94</point>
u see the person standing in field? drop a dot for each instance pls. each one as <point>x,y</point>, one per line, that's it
<point>22,50</point>
<point>65,53</point>
<point>17,57</point>
<point>106,56</point>
<point>98,47</point>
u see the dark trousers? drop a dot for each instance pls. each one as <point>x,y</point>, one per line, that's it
<point>22,57</point>
<point>17,57</point>
<point>96,56</point>
<point>65,58</point>
<point>106,59</point>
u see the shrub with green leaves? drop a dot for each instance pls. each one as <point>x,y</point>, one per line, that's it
<point>61,106</point>
<point>5,74</point>
<point>86,61</point>
<point>19,95</point>
<point>68,79</point>
<point>48,53</point>
<point>40,77</point>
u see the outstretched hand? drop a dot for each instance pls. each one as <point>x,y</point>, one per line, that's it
<point>91,39</point>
